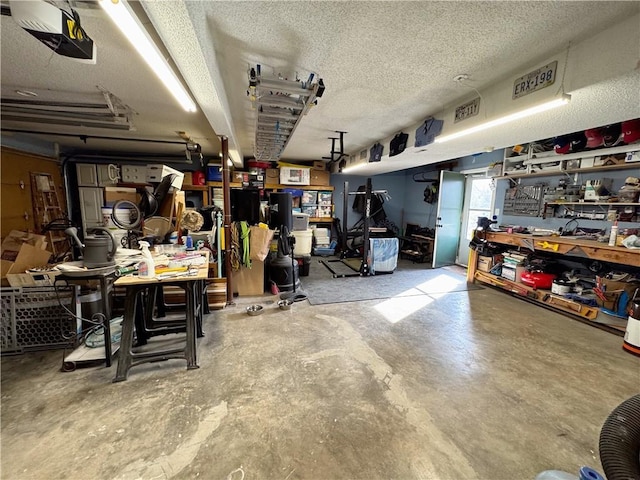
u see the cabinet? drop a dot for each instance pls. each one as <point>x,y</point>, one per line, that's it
<point>86,175</point>
<point>90,207</point>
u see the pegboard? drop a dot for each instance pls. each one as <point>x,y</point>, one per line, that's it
<point>34,319</point>
<point>523,200</point>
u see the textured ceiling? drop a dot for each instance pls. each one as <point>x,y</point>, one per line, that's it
<point>386,66</point>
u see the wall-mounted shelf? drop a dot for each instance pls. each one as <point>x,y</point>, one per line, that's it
<point>550,163</point>
<point>549,173</point>
<point>588,204</point>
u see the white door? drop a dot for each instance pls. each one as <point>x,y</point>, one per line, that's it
<point>478,202</point>
<point>450,200</point>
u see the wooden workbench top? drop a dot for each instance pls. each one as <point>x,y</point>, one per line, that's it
<point>569,246</point>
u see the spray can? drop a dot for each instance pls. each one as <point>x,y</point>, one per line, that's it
<point>614,234</point>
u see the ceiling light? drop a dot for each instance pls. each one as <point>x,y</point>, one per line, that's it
<point>26,93</point>
<point>122,15</point>
<point>543,107</point>
<point>351,168</point>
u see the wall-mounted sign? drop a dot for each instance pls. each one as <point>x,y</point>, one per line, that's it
<point>469,109</point>
<point>536,80</point>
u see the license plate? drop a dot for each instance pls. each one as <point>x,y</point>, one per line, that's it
<point>467,110</point>
<point>536,80</point>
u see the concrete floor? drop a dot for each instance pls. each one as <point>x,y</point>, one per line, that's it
<point>470,385</point>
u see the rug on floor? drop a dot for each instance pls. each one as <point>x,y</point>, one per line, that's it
<point>408,280</point>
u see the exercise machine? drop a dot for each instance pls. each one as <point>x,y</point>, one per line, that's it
<point>364,269</point>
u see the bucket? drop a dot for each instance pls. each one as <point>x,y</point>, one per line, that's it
<point>303,242</point>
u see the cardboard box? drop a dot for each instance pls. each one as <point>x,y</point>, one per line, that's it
<point>272,175</point>
<point>114,194</point>
<point>21,251</point>
<point>320,178</point>
<point>249,281</point>
<point>188,178</point>
<point>296,176</point>
<point>156,172</point>
<point>319,165</point>
<point>513,273</point>
<point>485,264</point>
<point>238,176</point>
<point>605,160</point>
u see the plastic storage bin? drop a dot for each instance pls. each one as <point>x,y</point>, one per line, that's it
<point>300,222</point>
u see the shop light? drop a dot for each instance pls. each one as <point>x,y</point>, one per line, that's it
<point>543,107</point>
<point>351,168</point>
<point>123,17</point>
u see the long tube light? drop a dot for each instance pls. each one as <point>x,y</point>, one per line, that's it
<point>122,15</point>
<point>543,107</point>
<point>351,168</point>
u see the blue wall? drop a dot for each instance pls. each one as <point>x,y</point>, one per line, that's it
<point>408,206</point>
<point>394,183</point>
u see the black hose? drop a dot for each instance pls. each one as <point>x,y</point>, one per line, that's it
<point>620,441</point>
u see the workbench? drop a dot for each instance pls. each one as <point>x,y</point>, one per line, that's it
<point>565,246</point>
<point>192,282</point>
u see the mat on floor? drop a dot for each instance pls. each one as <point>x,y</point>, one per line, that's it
<point>322,288</point>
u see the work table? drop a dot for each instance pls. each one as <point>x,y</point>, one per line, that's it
<point>570,246</point>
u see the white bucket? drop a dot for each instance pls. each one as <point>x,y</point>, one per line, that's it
<point>123,215</point>
<point>303,242</point>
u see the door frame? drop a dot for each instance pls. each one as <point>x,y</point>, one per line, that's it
<point>470,175</point>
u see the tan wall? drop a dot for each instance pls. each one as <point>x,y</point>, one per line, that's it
<point>16,209</point>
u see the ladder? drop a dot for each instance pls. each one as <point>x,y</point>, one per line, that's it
<point>280,105</point>
<point>46,208</point>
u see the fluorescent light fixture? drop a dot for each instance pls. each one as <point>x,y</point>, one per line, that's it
<point>543,107</point>
<point>351,168</point>
<point>122,15</point>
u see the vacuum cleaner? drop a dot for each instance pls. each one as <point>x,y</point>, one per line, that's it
<point>632,335</point>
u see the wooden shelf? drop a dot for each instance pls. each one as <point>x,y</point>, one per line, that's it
<point>195,188</point>
<point>278,186</point>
